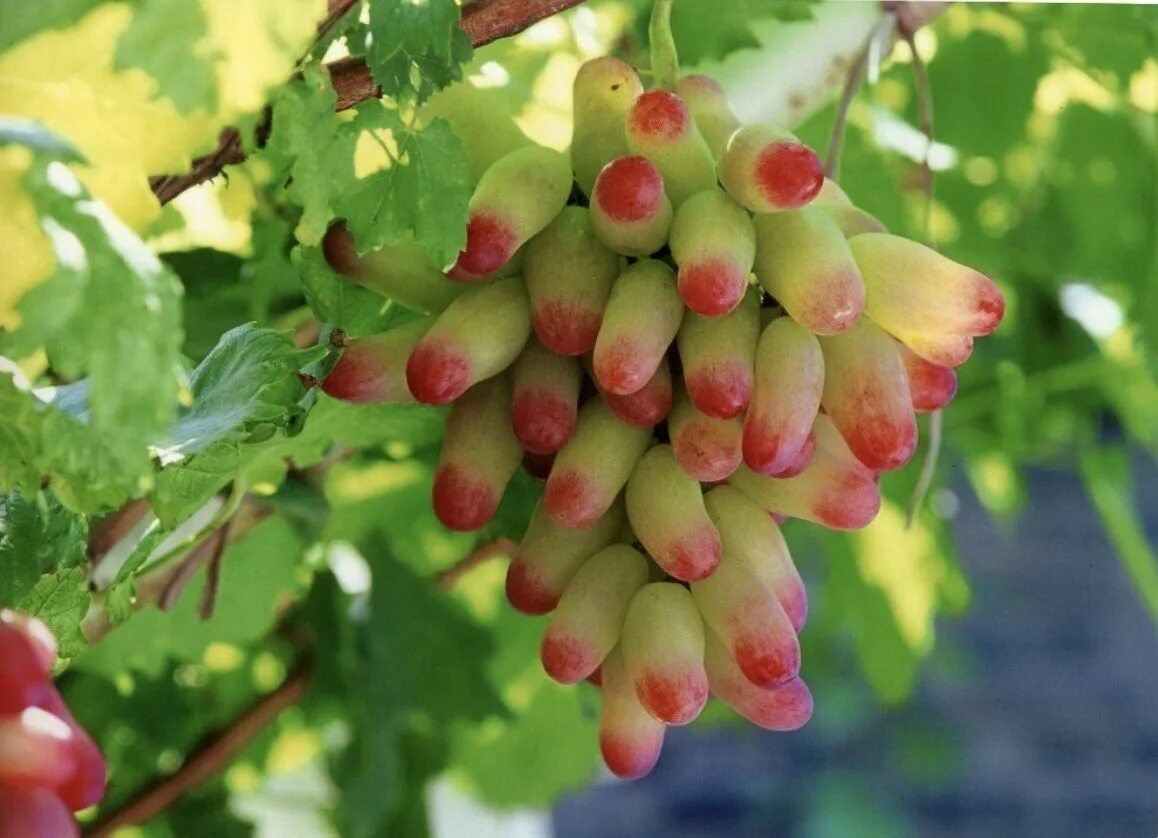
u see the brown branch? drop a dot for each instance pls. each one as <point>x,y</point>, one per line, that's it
<point>482,553</point>
<point>208,759</point>
<point>115,527</point>
<point>484,21</point>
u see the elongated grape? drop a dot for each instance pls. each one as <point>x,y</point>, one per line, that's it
<point>516,197</point>
<point>34,814</point>
<point>545,398</point>
<point>87,783</point>
<point>484,115</point>
<point>714,244</point>
<point>630,739</point>
<point>36,633</point>
<point>785,707</point>
<point>851,220</point>
<point>789,380</point>
<point>931,387</point>
<point>586,625</point>
<point>639,324</point>
<point>706,448</point>
<point>666,510</point>
<point>748,618</point>
<point>630,209</point>
<point>569,274</point>
<point>36,750</point>
<point>603,91</point>
<point>400,271</point>
<point>661,128</point>
<point>372,370</point>
<point>718,354</point>
<point>478,336</point>
<point>804,261</point>
<point>592,468</point>
<point>710,109</point>
<point>766,169</point>
<point>647,406</point>
<point>549,555</point>
<point>866,395</point>
<point>663,647</point>
<point>749,535</point>
<point>931,303</point>
<point>479,455</point>
<point>835,490</point>
<point>23,680</point>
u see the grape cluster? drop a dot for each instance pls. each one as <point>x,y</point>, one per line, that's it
<point>49,767</point>
<point>612,340</point>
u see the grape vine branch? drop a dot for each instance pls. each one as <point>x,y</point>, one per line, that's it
<point>484,21</point>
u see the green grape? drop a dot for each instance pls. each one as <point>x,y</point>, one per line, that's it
<point>782,708</point>
<point>588,619</point>
<point>718,355</point>
<point>931,303</point>
<point>549,555</point>
<point>707,449</point>
<point>517,196</point>
<point>710,109</point>
<point>546,398</point>
<point>630,209</point>
<point>803,260</point>
<point>714,245</point>
<point>569,274</point>
<point>593,467</point>
<point>603,91</point>
<point>661,128</point>
<point>478,335</point>
<point>642,318</point>
<point>766,169</point>
<point>663,647</point>
<point>789,380</point>
<point>629,738</point>
<point>479,455</point>
<point>866,395</point>
<point>666,510</point>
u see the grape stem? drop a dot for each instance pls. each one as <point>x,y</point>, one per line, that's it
<point>925,118</point>
<point>665,63</point>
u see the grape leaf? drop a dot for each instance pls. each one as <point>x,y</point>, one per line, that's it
<point>110,310</point>
<point>37,534</point>
<point>338,301</point>
<point>23,20</point>
<point>707,31</point>
<point>61,600</point>
<point>423,654</point>
<point>165,40</point>
<point>417,183</point>
<point>245,392</point>
<point>414,49</point>
<point>46,437</point>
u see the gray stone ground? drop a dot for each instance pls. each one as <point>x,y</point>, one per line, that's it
<point>1037,717</point>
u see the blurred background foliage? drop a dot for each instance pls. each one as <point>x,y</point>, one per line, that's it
<point>1046,129</point>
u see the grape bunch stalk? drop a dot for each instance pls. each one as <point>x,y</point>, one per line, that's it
<point>49,767</point>
<point>690,334</point>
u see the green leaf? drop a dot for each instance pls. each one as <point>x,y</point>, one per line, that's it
<point>1108,479</point>
<point>37,534</point>
<point>338,301</point>
<point>45,435</point>
<point>165,39</point>
<point>414,49</point>
<point>424,655</point>
<point>111,310</point>
<point>712,31</point>
<point>61,600</point>
<point>19,20</point>
<point>245,392</point>
<point>418,186</point>
<point>422,188</point>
